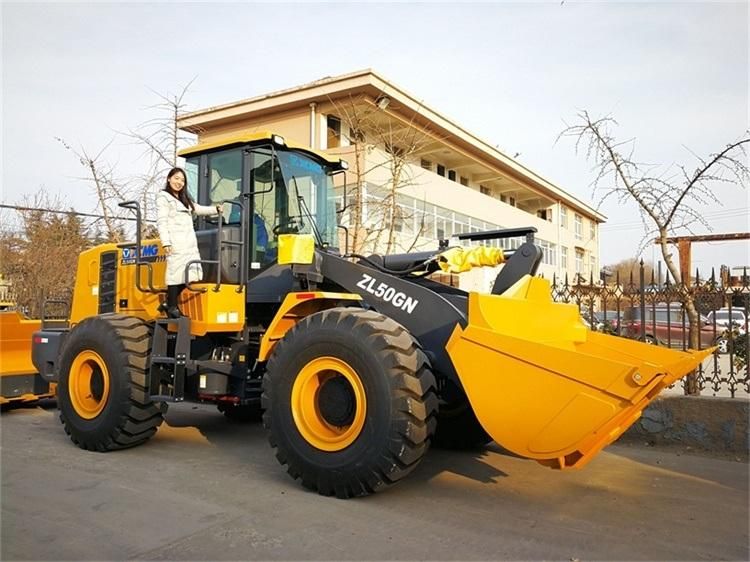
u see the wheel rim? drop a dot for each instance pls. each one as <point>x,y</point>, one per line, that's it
<point>328,404</point>
<point>88,384</point>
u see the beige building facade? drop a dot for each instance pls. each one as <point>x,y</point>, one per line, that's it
<point>449,181</point>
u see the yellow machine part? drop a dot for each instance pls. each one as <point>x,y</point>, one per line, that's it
<point>212,310</point>
<point>85,300</point>
<point>293,309</point>
<point>546,387</point>
<point>16,332</point>
<point>296,248</point>
<point>458,260</point>
<point>15,343</point>
<point>209,310</point>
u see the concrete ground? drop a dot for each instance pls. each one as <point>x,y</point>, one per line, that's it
<point>208,489</point>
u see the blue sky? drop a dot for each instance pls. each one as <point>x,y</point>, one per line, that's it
<point>675,76</point>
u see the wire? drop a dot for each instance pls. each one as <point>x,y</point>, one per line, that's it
<point>718,215</point>
<point>76,213</point>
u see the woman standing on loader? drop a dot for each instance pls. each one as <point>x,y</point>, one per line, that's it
<point>174,221</point>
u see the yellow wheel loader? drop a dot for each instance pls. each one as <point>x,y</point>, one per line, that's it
<point>357,363</point>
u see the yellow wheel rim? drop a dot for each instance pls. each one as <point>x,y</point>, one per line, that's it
<point>328,404</point>
<point>88,384</point>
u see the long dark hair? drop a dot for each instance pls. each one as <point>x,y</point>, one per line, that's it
<point>182,196</point>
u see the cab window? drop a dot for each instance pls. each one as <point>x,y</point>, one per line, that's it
<point>270,205</point>
<point>225,181</point>
<point>191,171</point>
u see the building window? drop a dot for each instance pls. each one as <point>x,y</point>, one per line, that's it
<point>579,227</point>
<point>452,175</point>
<point>441,170</point>
<point>333,125</point>
<point>579,261</point>
<point>464,181</point>
<point>592,261</point>
<point>593,230</point>
<point>485,190</point>
<point>563,217</point>
<point>426,164</point>
<point>545,214</point>
<point>564,257</point>
<point>512,201</point>
<point>503,198</point>
<point>549,252</point>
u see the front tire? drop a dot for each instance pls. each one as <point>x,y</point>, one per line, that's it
<point>349,402</point>
<point>103,392</point>
<point>457,426</point>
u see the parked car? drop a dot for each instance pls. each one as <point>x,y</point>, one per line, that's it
<point>734,324</point>
<point>608,320</point>
<point>722,319</point>
<point>666,325</point>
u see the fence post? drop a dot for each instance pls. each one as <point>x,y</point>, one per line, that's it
<point>691,381</point>
<point>642,292</point>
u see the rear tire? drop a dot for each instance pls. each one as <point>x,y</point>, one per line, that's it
<point>103,391</point>
<point>349,402</point>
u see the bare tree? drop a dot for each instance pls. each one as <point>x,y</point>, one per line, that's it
<point>108,189</point>
<point>38,255</point>
<point>161,140</point>
<point>630,269</point>
<point>669,200</point>
<point>380,142</point>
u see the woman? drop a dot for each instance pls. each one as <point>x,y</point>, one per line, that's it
<point>174,220</point>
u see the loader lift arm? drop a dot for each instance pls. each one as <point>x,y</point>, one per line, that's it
<point>429,310</point>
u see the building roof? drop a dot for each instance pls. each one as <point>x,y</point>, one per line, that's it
<point>369,82</point>
<point>248,138</point>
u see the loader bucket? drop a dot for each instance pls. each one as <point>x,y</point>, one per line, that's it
<point>546,387</point>
<point>19,380</point>
<point>15,343</point>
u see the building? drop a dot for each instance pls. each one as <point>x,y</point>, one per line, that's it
<point>448,180</point>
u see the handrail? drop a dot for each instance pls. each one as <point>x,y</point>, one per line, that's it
<point>136,207</point>
<point>220,242</point>
<point>43,315</point>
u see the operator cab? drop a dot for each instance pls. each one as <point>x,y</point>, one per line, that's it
<point>281,189</point>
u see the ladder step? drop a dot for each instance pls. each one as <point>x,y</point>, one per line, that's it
<point>166,398</point>
<point>163,360</point>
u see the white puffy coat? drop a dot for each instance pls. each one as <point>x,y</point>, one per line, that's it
<point>175,225</point>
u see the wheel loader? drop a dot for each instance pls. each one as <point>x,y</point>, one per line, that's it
<point>356,363</point>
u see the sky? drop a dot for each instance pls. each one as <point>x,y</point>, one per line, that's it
<point>673,74</point>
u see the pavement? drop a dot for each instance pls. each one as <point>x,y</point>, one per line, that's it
<point>205,488</point>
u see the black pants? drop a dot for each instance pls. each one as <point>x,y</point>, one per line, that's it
<point>173,291</point>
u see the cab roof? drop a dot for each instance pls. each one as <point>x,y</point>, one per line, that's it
<point>254,138</point>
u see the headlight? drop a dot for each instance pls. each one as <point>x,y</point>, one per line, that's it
<point>278,139</point>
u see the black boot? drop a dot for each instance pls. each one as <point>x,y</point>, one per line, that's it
<point>172,310</point>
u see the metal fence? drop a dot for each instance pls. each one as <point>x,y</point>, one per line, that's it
<point>655,312</point>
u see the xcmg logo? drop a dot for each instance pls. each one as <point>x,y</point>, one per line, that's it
<point>149,253</point>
